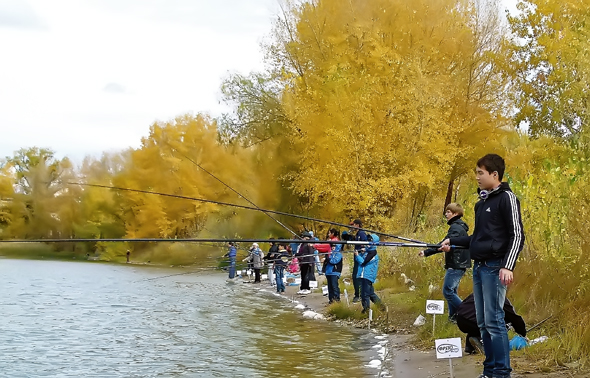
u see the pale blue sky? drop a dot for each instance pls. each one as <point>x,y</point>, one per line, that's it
<point>86,76</point>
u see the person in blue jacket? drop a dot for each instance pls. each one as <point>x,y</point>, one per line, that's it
<point>232,253</point>
<point>368,264</point>
<point>333,268</point>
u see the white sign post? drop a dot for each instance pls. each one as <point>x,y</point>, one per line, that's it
<point>346,297</point>
<point>448,348</point>
<point>434,308</point>
<point>370,317</point>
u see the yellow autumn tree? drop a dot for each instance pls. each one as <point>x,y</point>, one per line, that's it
<point>388,101</point>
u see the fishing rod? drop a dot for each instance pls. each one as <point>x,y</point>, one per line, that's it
<point>539,324</point>
<point>212,240</point>
<point>235,191</point>
<point>243,207</point>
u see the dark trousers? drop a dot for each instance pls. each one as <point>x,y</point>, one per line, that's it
<point>368,294</point>
<point>333,288</point>
<point>356,282</point>
<point>305,275</point>
<point>256,275</point>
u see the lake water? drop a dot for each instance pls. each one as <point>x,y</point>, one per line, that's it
<point>82,319</point>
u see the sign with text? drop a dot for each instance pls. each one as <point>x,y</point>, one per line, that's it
<point>313,284</point>
<point>448,348</point>
<point>435,307</point>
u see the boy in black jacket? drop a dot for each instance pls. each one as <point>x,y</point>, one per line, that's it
<point>495,244</point>
<point>457,261</point>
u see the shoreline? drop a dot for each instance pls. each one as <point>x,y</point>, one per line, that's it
<point>397,356</point>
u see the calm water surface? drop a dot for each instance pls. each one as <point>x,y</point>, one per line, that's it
<point>80,319</point>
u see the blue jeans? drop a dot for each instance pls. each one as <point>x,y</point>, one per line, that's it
<point>333,288</point>
<point>232,267</point>
<point>489,294</point>
<point>356,282</point>
<point>450,285</point>
<point>279,272</point>
<point>368,293</point>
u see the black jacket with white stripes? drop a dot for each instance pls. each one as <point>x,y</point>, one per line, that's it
<point>498,232</point>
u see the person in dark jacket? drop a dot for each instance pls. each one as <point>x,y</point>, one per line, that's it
<point>305,255</point>
<point>360,236</point>
<point>456,262</point>
<point>269,260</point>
<point>280,263</point>
<point>467,323</point>
<point>496,242</point>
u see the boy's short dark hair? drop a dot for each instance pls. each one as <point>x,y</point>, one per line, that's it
<point>492,163</point>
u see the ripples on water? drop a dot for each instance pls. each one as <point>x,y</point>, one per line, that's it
<point>67,319</point>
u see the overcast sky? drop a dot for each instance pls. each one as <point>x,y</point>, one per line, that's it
<point>86,76</point>
<point>83,77</point>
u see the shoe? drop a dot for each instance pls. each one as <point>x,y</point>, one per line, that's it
<point>477,345</point>
<point>483,376</point>
<point>307,291</point>
<point>356,299</point>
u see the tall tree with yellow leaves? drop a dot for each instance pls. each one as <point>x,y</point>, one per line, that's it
<point>388,101</point>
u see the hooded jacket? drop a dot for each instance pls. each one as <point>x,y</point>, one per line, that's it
<point>498,232</point>
<point>457,258</point>
<point>368,261</point>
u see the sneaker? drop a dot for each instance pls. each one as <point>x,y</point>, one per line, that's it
<point>477,345</point>
<point>307,291</point>
<point>356,299</point>
<point>483,376</point>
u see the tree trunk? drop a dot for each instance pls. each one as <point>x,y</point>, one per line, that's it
<point>449,194</point>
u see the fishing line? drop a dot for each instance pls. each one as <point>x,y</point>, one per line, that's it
<point>235,191</point>
<point>243,207</point>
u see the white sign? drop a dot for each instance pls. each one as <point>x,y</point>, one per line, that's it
<point>313,284</point>
<point>435,307</point>
<point>324,290</point>
<point>448,348</point>
<point>264,277</point>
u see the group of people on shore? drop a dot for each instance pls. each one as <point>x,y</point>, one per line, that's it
<point>494,246</point>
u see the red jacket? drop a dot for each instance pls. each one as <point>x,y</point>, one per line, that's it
<point>325,248</point>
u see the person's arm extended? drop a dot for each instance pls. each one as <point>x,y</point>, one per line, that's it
<point>369,257</point>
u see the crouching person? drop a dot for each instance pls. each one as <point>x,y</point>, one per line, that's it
<point>368,262</point>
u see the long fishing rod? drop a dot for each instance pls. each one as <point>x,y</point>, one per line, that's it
<point>211,240</point>
<point>235,191</point>
<point>242,207</point>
